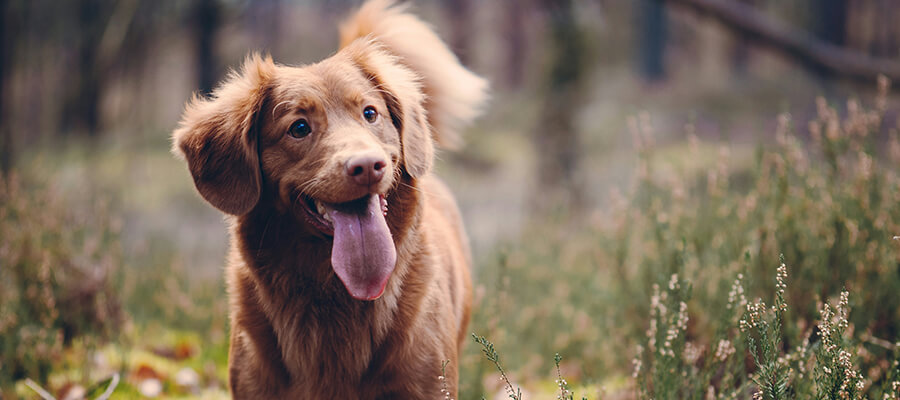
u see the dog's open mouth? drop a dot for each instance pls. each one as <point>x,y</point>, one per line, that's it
<point>318,213</point>
<point>362,253</point>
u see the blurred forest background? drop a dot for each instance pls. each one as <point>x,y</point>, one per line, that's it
<point>627,141</point>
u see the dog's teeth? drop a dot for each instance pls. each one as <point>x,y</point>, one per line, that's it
<point>321,208</point>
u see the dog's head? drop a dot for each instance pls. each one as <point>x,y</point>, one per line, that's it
<point>329,142</point>
<point>332,132</point>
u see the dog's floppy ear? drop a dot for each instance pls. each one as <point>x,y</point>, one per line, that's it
<point>402,92</point>
<point>218,139</point>
<point>415,135</point>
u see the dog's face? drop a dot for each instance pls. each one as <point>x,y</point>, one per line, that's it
<point>326,138</point>
<point>328,142</point>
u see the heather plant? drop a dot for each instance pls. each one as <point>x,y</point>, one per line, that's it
<point>891,386</point>
<point>56,276</point>
<point>565,392</point>
<point>835,375</point>
<point>764,338</point>
<point>777,375</point>
<point>825,196</point>
<point>445,390</point>
<point>494,357</point>
<point>667,366</point>
<point>660,367</point>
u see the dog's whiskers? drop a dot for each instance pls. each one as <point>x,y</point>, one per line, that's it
<point>309,189</point>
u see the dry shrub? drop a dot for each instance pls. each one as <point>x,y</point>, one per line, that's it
<point>826,195</point>
<point>56,272</point>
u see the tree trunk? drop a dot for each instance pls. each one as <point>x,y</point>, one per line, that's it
<point>887,32</point>
<point>555,136</point>
<point>652,26</point>
<point>740,54</point>
<point>206,23</point>
<point>336,8</point>
<point>830,20</point>
<point>265,22</point>
<point>6,140</point>
<point>460,13</point>
<point>514,36</point>
<point>830,26</point>
<point>82,109</point>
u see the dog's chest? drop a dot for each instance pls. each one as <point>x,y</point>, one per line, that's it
<point>331,342</point>
<point>329,361</point>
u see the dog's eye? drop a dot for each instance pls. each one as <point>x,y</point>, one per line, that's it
<point>370,114</point>
<point>300,129</point>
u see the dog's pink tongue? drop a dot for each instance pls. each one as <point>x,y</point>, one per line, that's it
<point>363,254</point>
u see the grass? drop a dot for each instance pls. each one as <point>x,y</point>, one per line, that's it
<point>656,292</point>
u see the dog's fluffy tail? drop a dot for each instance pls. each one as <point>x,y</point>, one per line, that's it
<point>455,95</point>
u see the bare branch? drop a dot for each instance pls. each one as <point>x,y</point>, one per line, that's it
<point>795,43</point>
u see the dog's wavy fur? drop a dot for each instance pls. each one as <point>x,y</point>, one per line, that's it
<point>295,330</point>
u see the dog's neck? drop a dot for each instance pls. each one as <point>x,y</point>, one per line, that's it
<point>308,294</point>
<point>269,237</point>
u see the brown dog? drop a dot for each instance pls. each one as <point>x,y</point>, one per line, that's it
<point>348,274</point>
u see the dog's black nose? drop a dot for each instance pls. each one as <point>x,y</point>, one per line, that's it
<point>366,169</point>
